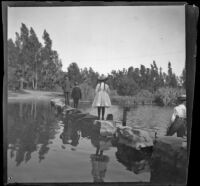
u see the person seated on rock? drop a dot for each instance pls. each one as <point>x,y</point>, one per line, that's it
<point>102,99</point>
<point>178,120</point>
<point>76,94</point>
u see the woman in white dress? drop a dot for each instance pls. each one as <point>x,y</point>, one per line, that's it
<point>102,99</point>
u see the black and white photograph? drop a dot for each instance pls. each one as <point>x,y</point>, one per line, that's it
<point>96,94</point>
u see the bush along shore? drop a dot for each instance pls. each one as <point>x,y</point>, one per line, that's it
<point>162,97</point>
<point>166,154</point>
<point>165,96</point>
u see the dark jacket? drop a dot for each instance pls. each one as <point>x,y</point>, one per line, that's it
<point>66,86</point>
<point>76,93</point>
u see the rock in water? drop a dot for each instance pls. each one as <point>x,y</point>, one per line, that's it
<point>136,138</point>
<point>169,161</point>
<point>106,127</point>
<point>144,137</point>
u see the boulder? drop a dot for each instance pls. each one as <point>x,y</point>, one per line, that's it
<point>169,161</point>
<point>76,115</point>
<point>69,110</point>
<point>106,128</point>
<point>58,104</point>
<point>135,138</point>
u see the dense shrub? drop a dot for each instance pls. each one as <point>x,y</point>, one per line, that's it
<point>144,96</point>
<point>127,86</point>
<point>167,96</point>
<point>113,93</point>
<point>124,101</point>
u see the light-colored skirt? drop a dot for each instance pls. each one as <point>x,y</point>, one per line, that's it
<point>101,99</point>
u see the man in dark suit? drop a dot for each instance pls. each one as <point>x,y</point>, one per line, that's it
<point>76,94</point>
<point>66,89</point>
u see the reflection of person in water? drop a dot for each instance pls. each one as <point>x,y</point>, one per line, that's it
<point>70,134</point>
<point>99,161</point>
<point>99,166</point>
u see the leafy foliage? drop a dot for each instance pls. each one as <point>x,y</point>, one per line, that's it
<point>28,61</point>
<point>38,67</point>
<point>167,96</point>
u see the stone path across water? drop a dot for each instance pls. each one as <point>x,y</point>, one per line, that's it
<point>135,138</point>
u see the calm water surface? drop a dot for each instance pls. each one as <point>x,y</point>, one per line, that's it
<point>42,149</point>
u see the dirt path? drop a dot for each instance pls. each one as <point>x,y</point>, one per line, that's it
<point>31,94</point>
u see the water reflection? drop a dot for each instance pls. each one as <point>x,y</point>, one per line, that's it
<point>82,125</point>
<point>99,160</point>
<point>70,134</point>
<point>134,160</point>
<point>31,127</point>
<point>99,166</point>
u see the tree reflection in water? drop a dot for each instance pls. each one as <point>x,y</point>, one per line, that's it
<point>30,124</point>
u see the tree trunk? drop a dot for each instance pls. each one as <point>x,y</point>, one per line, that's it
<point>21,84</point>
<point>36,83</point>
<point>36,78</point>
<point>33,84</point>
<point>35,109</point>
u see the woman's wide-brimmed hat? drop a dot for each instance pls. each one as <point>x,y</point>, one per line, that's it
<point>102,78</point>
<point>182,97</point>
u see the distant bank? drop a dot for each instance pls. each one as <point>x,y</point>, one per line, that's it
<point>32,94</point>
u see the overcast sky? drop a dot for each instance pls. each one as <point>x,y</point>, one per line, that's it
<point>109,38</point>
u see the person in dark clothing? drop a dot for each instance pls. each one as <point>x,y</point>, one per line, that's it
<point>66,89</point>
<point>76,94</point>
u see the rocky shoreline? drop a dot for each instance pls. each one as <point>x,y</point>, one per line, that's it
<point>168,154</point>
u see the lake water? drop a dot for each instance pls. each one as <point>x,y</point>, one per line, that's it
<point>39,152</point>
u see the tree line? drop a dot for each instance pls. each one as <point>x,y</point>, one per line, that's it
<point>130,81</point>
<point>41,68</point>
<point>38,66</point>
